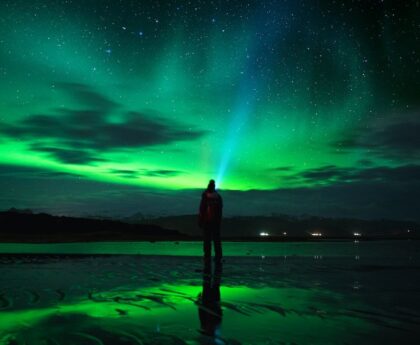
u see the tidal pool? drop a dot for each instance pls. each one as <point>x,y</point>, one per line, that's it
<point>265,293</point>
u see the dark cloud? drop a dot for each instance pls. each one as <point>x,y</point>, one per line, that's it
<point>82,117</point>
<point>365,162</point>
<point>161,173</point>
<point>69,156</point>
<point>359,199</point>
<point>145,172</point>
<point>29,188</point>
<point>125,173</point>
<point>281,169</point>
<point>329,172</point>
<point>399,140</point>
<point>62,174</point>
<point>332,173</point>
<point>30,172</point>
<point>403,174</point>
<point>85,95</point>
<point>81,136</point>
<point>392,197</point>
<point>92,130</point>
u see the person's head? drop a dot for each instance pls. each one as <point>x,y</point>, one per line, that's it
<point>211,186</point>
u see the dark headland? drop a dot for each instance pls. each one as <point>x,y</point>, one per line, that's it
<point>26,226</point>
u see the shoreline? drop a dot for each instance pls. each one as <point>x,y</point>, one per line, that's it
<point>199,239</point>
<point>315,249</point>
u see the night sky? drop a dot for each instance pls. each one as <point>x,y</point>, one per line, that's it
<point>295,107</point>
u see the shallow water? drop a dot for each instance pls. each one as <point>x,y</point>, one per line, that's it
<point>266,293</point>
<point>345,248</point>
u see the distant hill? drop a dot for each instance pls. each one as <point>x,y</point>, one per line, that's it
<point>294,227</point>
<point>24,226</point>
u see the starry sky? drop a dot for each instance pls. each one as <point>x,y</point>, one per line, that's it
<point>298,107</point>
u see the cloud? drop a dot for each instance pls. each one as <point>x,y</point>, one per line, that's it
<point>391,198</point>
<point>397,140</point>
<point>400,139</point>
<point>365,162</point>
<point>125,173</point>
<point>30,172</point>
<point>69,156</point>
<point>328,172</point>
<point>91,130</point>
<point>332,173</point>
<point>281,169</point>
<point>359,199</point>
<point>161,173</point>
<point>81,136</point>
<point>87,96</point>
<point>145,172</point>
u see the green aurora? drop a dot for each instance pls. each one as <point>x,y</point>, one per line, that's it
<point>264,95</point>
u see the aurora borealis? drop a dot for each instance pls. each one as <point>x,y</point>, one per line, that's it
<point>294,106</point>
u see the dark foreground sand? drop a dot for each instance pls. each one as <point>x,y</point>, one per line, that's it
<point>142,299</point>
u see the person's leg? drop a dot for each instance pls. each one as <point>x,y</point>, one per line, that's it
<point>207,244</point>
<point>217,244</point>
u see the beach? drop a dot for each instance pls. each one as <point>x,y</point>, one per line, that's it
<point>265,293</point>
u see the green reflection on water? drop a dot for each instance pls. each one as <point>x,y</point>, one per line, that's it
<point>250,315</point>
<point>135,299</point>
<point>183,248</point>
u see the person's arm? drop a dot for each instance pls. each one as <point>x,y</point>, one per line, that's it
<point>201,210</point>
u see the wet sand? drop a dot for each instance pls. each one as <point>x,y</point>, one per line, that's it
<point>255,299</point>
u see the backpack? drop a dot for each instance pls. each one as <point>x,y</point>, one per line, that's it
<point>212,212</point>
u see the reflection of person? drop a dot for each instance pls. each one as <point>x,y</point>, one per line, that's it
<point>210,218</point>
<point>209,309</point>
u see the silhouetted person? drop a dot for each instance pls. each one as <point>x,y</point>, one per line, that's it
<point>210,218</point>
<point>209,308</point>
